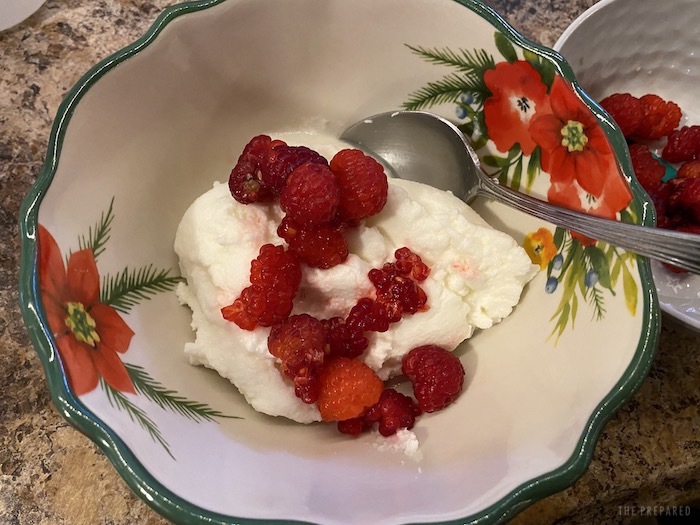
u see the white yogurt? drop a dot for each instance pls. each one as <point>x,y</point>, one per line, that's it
<point>477,276</point>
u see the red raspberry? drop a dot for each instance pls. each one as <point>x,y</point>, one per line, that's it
<point>684,201</point>
<point>298,342</point>
<point>690,228</point>
<point>411,264</point>
<point>396,284</point>
<point>245,181</point>
<point>348,387</point>
<point>344,340</point>
<point>275,276</point>
<point>354,426</point>
<point>284,159</point>
<point>275,267</point>
<point>437,376</point>
<point>310,195</point>
<point>689,170</point>
<point>647,169</point>
<point>369,315</point>
<point>683,144</point>
<point>659,199</point>
<point>673,268</point>
<point>243,310</point>
<point>393,412</point>
<point>363,185</point>
<point>322,246</point>
<point>259,306</point>
<point>626,110</point>
<point>397,292</point>
<point>307,386</point>
<point>660,117</point>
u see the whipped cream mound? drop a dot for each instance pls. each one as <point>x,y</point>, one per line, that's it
<point>477,277</point>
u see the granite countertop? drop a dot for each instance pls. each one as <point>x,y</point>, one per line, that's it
<point>648,455</point>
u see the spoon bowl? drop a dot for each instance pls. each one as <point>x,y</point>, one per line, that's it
<point>409,142</point>
<point>424,147</point>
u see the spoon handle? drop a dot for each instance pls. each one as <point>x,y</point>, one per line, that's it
<point>678,248</point>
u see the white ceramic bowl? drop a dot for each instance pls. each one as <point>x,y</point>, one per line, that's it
<point>640,47</point>
<point>12,12</point>
<point>150,128</point>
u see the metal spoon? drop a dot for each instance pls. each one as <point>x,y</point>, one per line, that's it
<point>425,147</point>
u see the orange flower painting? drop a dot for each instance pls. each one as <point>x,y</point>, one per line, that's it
<point>540,247</point>
<point>89,335</point>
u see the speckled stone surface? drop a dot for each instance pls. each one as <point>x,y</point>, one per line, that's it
<point>648,455</point>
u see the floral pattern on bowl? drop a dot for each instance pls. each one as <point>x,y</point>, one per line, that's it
<point>530,129</point>
<point>84,314</point>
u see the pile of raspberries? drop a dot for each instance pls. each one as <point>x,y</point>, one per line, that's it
<point>321,201</point>
<point>651,121</point>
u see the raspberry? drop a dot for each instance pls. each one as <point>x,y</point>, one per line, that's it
<point>239,312</point>
<point>245,181</point>
<point>660,117</point>
<point>689,170</point>
<point>311,194</point>
<point>344,340</point>
<point>396,284</point>
<point>436,374</point>
<point>647,169</point>
<point>684,201</point>
<point>322,246</point>
<point>369,315</point>
<point>683,144</point>
<point>298,343</point>
<point>659,200</point>
<point>394,411</point>
<point>650,173</point>
<point>284,159</point>
<point>275,276</point>
<point>626,110</point>
<point>259,306</point>
<point>397,293</point>
<point>690,228</point>
<point>354,426</point>
<point>307,386</point>
<point>409,263</point>
<point>348,387</point>
<point>363,185</point>
<point>274,267</point>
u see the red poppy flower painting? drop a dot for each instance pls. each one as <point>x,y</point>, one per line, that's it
<point>83,311</point>
<point>518,94</point>
<point>89,334</point>
<point>578,157</point>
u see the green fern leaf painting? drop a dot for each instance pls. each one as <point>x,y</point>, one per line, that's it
<point>85,316</point>
<point>529,126</point>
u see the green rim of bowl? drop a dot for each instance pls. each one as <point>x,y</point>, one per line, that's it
<point>176,508</point>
